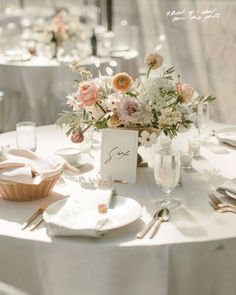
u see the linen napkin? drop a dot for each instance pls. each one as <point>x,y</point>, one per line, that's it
<point>80,216</point>
<point>227,137</point>
<point>229,186</point>
<point>24,166</point>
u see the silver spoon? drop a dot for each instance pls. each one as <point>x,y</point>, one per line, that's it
<point>163,216</point>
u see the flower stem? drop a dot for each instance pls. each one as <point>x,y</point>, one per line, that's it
<point>100,107</point>
<point>86,128</point>
<point>148,72</point>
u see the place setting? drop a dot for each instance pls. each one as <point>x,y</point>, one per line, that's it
<point>224,199</point>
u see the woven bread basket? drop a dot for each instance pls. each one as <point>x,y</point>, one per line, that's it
<point>20,192</point>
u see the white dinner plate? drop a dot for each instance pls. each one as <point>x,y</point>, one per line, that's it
<point>125,211</point>
<point>18,58</point>
<point>118,54</point>
<point>227,135</point>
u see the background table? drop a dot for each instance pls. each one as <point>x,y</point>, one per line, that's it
<point>194,253</point>
<point>36,90</point>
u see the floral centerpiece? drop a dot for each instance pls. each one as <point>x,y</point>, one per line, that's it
<point>62,27</point>
<point>151,104</point>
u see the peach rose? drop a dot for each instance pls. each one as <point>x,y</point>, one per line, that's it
<point>87,93</point>
<point>186,91</point>
<point>121,82</point>
<point>153,60</point>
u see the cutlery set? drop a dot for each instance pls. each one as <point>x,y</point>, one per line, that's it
<point>33,218</point>
<point>220,206</point>
<point>153,226</point>
<point>37,216</point>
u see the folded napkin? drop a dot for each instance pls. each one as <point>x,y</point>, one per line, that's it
<point>80,216</point>
<point>229,186</point>
<point>227,137</point>
<point>24,166</point>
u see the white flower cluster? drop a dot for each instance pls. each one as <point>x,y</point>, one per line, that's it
<point>154,92</point>
<point>170,116</point>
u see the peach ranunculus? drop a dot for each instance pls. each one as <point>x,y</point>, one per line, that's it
<point>153,60</point>
<point>114,121</point>
<point>121,82</point>
<point>87,93</point>
<point>186,91</point>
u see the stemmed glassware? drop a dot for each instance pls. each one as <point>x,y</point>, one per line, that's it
<point>202,117</point>
<point>167,176</point>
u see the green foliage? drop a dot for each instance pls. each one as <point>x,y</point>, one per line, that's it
<point>168,73</point>
<point>132,94</point>
<point>101,123</point>
<point>207,99</point>
<point>72,120</point>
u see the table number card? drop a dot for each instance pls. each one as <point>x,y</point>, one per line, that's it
<point>119,154</point>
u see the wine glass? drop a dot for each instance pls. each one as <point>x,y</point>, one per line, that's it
<point>202,117</point>
<point>167,176</point>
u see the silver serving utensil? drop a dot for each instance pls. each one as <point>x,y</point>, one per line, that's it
<point>146,229</point>
<point>163,216</point>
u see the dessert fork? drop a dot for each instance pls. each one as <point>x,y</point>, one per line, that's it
<point>221,209</point>
<point>219,203</point>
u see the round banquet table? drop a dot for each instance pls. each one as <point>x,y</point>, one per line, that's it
<point>193,254</point>
<point>36,89</point>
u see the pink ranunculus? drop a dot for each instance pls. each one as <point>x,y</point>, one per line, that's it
<point>186,91</point>
<point>87,93</point>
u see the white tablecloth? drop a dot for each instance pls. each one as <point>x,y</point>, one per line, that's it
<point>36,90</point>
<point>193,254</point>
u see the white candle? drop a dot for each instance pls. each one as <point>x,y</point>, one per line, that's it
<point>194,146</point>
<point>165,143</point>
<point>185,160</point>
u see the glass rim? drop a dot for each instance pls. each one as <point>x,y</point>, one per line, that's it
<point>166,152</point>
<point>26,123</point>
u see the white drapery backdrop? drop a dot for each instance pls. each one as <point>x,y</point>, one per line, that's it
<point>203,51</point>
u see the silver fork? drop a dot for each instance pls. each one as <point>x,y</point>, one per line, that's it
<point>221,209</point>
<point>220,204</point>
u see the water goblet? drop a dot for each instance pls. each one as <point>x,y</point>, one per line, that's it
<point>26,136</point>
<point>202,118</point>
<point>167,176</point>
